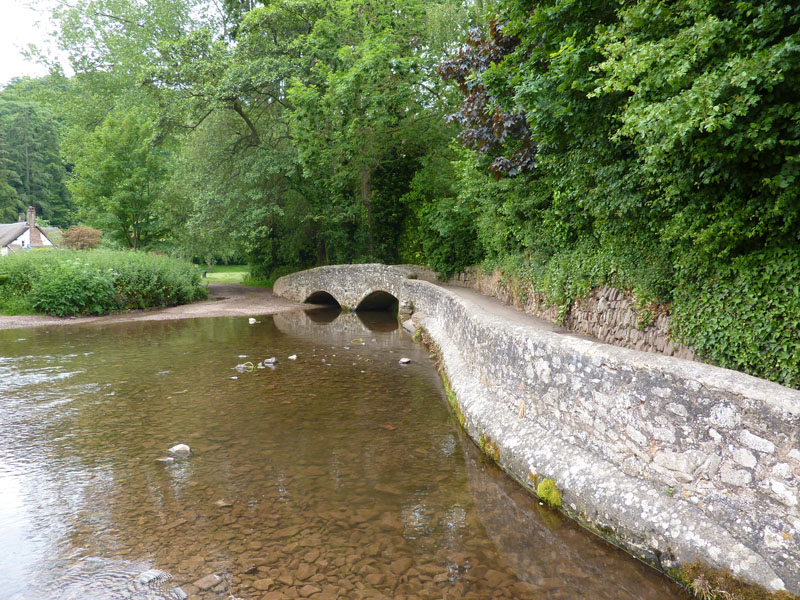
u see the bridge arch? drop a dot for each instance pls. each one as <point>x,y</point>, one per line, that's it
<point>322,297</point>
<point>379,300</point>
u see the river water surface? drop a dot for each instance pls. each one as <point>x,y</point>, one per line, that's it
<point>339,474</point>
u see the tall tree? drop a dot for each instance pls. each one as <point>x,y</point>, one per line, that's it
<point>371,105</point>
<point>29,156</point>
<point>118,179</point>
<point>10,203</point>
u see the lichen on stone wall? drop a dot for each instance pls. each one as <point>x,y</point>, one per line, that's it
<point>421,336</point>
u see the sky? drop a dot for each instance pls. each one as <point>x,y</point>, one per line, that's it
<point>18,28</point>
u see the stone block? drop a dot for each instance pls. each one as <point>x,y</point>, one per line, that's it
<point>745,458</point>
<point>725,415</point>
<point>782,492</point>
<point>756,443</point>
<point>735,477</point>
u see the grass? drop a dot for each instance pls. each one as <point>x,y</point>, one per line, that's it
<point>241,274</point>
<point>227,274</point>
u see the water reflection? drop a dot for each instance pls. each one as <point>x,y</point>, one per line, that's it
<point>378,320</point>
<point>323,315</point>
<point>337,473</point>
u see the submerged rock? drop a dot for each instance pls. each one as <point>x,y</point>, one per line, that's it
<point>293,357</point>
<point>404,361</point>
<point>179,594</point>
<point>181,450</point>
<point>153,576</point>
<point>207,582</point>
<point>165,459</point>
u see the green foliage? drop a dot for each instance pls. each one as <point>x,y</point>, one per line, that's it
<point>117,178</point>
<point>366,114</point>
<point>72,288</point>
<point>442,231</point>
<point>666,163</point>
<point>547,491</point>
<point>31,170</point>
<point>94,282</point>
<point>711,108</point>
<point>745,314</point>
<point>274,275</point>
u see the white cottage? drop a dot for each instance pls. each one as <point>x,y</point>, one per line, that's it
<point>15,237</point>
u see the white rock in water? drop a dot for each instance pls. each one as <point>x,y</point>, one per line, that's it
<point>165,459</point>
<point>252,321</point>
<point>404,361</point>
<point>153,575</point>
<point>181,450</point>
<point>293,357</point>
<point>270,361</point>
<point>179,594</point>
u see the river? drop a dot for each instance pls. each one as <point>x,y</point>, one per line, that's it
<point>339,473</point>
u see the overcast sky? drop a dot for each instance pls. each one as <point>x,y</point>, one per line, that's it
<point>20,26</point>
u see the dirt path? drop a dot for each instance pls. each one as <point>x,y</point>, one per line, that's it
<point>225,300</point>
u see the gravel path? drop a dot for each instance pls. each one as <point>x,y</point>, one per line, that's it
<point>225,300</point>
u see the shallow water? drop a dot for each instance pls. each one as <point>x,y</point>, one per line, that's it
<point>339,474</point>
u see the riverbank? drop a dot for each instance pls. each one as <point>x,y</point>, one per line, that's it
<point>225,300</point>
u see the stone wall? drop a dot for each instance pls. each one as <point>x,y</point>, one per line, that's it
<point>675,461</point>
<point>607,314</point>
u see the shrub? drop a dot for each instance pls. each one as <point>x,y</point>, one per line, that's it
<point>73,288</point>
<point>79,237</point>
<point>94,282</point>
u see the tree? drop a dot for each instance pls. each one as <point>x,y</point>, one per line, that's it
<point>11,206</point>
<point>711,104</point>
<point>370,108</point>
<point>30,165</point>
<point>118,179</point>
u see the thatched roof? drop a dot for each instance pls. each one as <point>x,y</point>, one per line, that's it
<point>11,231</point>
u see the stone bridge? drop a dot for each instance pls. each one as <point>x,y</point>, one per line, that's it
<point>675,461</point>
<point>354,287</point>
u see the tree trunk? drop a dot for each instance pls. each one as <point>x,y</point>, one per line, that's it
<point>366,198</point>
<point>27,162</point>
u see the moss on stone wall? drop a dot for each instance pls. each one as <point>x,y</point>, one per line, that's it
<point>707,583</point>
